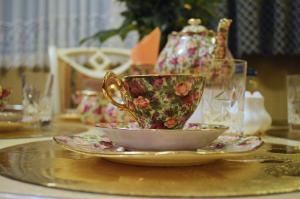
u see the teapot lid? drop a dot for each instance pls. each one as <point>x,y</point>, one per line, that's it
<point>194,26</point>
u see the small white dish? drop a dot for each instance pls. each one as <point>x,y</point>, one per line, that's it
<point>132,137</point>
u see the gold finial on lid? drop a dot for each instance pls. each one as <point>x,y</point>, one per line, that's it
<point>194,21</point>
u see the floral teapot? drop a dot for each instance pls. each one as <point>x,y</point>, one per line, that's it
<point>185,51</point>
<point>94,108</point>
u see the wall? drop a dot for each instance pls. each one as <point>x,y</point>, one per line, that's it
<point>12,80</point>
<point>271,77</point>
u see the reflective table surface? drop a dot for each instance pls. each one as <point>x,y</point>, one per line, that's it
<point>15,189</point>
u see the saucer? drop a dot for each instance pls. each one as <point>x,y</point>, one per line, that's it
<point>222,148</point>
<point>131,136</point>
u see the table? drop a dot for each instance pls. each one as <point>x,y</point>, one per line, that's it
<point>15,189</point>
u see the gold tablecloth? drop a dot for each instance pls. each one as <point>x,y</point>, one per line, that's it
<point>92,168</point>
<point>274,168</point>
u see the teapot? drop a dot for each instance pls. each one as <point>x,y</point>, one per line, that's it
<point>185,51</point>
<point>94,108</point>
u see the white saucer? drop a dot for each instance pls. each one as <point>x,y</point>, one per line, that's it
<point>132,137</point>
<point>223,148</point>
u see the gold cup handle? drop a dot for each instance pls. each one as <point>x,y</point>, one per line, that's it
<point>111,79</point>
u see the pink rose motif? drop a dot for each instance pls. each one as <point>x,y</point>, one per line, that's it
<point>170,122</point>
<point>141,102</point>
<point>4,93</point>
<point>126,85</point>
<point>136,88</point>
<point>203,52</point>
<point>198,63</point>
<point>1,91</point>
<point>111,114</point>
<point>192,51</point>
<point>174,61</point>
<point>110,111</point>
<point>158,82</point>
<point>219,146</point>
<point>105,143</point>
<point>98,111</point>
<point>161,63</point>
<point>183,88</point>
<point>188,100</point>
<point>157,125</point>
<point>183,119</point>
<point>86,108</point>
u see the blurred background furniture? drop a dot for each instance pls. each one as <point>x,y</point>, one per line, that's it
<point>87,65</point>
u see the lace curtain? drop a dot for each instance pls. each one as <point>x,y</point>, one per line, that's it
<point>28,27</point>
<point>264,27</point>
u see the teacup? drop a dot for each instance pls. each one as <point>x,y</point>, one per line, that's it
<point>156,101</point>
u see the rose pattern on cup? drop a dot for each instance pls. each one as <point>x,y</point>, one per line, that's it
<point>162,101</point>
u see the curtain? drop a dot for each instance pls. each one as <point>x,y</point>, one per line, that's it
<point>264,27</point>
<point>28,27</point>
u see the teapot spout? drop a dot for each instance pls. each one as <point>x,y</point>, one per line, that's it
<point>221,48</point>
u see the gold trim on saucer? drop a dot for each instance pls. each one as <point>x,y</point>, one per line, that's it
<point>222,148</point>
<point>160,158</point>
<point>259,173</point>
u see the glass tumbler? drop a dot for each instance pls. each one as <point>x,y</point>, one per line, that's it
<point>293,102</point>
<point>37,102</point>
<point>223,98</point>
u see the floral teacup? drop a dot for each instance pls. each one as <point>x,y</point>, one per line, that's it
<point>157,101</point>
